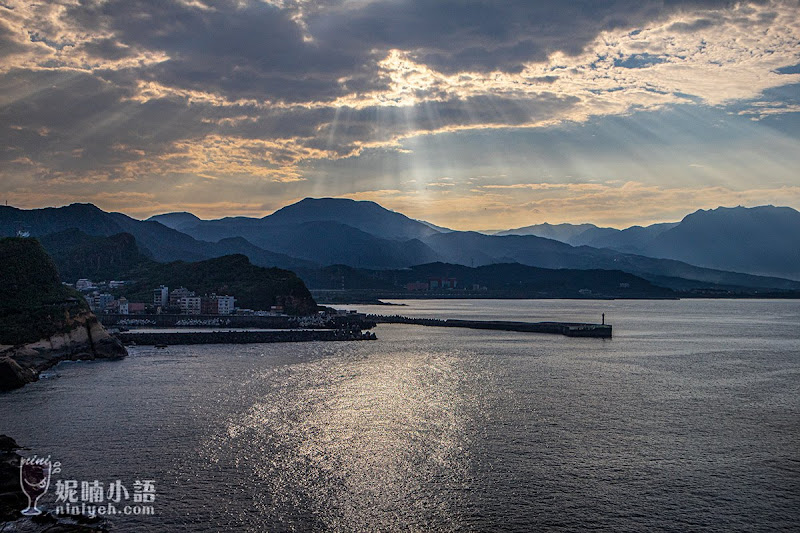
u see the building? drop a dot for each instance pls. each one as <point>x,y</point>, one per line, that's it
<point>190,305</point>
<point>225,304</point>
<point>84,284</point>
<point>217,305</point>
<point>416,286</point>
<point>208,306</point>
<point>442,283</point>
<point>176,295</point>
<point>99,301</point>
<point>123,308</point>
<point>136,308</point>
<point>161,296</point>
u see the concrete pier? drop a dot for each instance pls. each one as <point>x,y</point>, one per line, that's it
<point>570,329</point>
<point>240,337</point>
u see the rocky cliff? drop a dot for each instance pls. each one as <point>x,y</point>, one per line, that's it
<point>87,339</point>
<point>42,322</point>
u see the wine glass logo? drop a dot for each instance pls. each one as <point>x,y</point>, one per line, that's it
<point>34,478</point>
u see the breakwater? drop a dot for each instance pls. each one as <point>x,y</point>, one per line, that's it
<point>570,329</point>
<point>349,321</point>
<point>241,337</point>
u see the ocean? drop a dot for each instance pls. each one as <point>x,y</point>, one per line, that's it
<point>688,419</point>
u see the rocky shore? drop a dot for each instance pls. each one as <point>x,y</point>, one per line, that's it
<point>85,340</point>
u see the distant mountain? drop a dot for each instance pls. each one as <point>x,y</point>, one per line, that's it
<point>559,232</point>
<point>498,280</point>
<point>327,231</point>
<point>162,243</point>
<point>760,240</point>
<point>331,243</point>
<point>630,240</point>
<point>178,221</point>
<point>368,217</point>
<point>476,249</point>
<point>289,239</point>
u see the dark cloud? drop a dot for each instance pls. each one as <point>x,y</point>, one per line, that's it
<point>107,49</point>
<point>240,51</point>
<point>484,35</point>
<point>269,57</point>
<point>74,121</point>
<point>256,50</point>
<point>10,42</point>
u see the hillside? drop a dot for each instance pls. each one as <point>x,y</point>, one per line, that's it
<point>78,255</point>
<point>33,302</point>
<point>42,322</point>
<point>254,287</point>
<point>511,280</point>
<point>760,240</point>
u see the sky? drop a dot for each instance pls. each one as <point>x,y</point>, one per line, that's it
<point>470,114</point>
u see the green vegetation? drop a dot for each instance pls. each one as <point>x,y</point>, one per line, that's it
<point>509,280</point>
<point>78,255</point>
<point>254,287</point>
<point>33,302</point>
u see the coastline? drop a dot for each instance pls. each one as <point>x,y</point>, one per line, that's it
<point>86,340</point>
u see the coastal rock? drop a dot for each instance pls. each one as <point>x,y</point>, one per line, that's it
<point>13,500</point>
<point>87,340</point>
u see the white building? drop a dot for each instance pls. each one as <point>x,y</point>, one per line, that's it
<point>176,295</point>
<point>225,305</point>
<point>190,305</point>
<point>84,284</point>
<point>123,306</point>
<point>161,296</point>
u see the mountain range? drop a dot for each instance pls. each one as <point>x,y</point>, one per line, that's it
<point>761,240</point>
<point>721,248</point>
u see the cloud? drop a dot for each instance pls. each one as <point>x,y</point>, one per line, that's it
<point>230,90</point>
